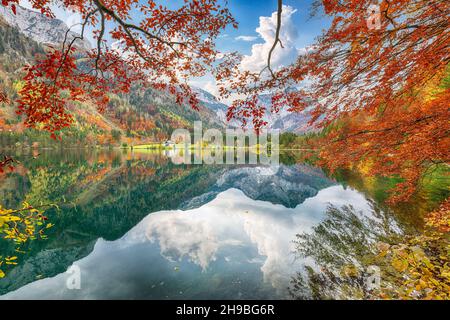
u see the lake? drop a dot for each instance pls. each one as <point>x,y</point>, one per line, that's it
<point>134,225</point>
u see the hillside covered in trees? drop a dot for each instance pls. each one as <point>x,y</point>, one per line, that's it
<point>142,116</point>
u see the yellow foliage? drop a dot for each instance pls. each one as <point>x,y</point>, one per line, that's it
<point>421,267</point>
<point>20,226</point>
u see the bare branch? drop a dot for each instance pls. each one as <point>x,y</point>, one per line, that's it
<point>277,37</point>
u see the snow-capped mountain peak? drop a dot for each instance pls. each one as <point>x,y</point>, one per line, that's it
<point>41,28</point>
<point>211,102</point>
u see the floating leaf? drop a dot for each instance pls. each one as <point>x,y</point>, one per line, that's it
<point>399,264</point>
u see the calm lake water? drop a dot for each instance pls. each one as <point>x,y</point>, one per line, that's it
<point>137,226</point>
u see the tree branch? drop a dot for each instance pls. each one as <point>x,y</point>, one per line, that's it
<point>277,37</point>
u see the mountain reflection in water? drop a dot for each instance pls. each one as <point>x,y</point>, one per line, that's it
<point>200,232</point>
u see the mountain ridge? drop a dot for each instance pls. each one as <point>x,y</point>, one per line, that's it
<point>140,117</point>
<point>143,116</point>
<point>40,28</point>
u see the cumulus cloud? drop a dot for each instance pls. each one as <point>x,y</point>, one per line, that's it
<point>246,38</point>
<point>73,21</point>
<point>257,60</point>
<point>211,87</point>
<point>208,84</point>
<point>231,227</point>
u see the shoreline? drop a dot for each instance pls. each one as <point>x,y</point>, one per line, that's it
<point>140,147</point>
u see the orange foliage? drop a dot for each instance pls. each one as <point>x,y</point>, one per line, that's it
<point>368,87</point>
<point>368,84</point>
<point>353,66</point>
<point>96,176</point>
<point>138,123</point>
<point>400,141</point>
<point>162,50</point>
<point>440,219</point>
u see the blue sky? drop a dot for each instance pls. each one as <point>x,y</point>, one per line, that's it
<point>254,37</point>
<point>248,12</point>
<point>257,22</point>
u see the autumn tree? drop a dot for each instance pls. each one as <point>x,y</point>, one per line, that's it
<point>374,80</point>
<point>162,49</point>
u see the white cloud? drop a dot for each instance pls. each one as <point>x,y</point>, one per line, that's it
<point>257,60</point>
<point>231,226</point>
<point>246,38</point>
<point>205,83</point>
<point>211,87</point>
<point>73,21</point>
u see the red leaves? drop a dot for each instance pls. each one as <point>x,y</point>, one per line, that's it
<point>329,5</point>
<point>250,108</point>
<point>440,218</point>
<point>356,68</point>
<point>54,83</point>
<point>8,2</point>
<point>12,4</point>
<point>42,5</point>
<point>42,98</point>
<point>367,86</point>
<point>402,142</point>
<point>7,162</point>
<point>163,50</point>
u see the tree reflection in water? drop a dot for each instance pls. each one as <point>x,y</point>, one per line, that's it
<point>339,251</point>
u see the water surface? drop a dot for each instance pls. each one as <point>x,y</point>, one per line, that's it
<point>140,227</point>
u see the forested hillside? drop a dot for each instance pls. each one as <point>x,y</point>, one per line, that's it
<point>141,116</point>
